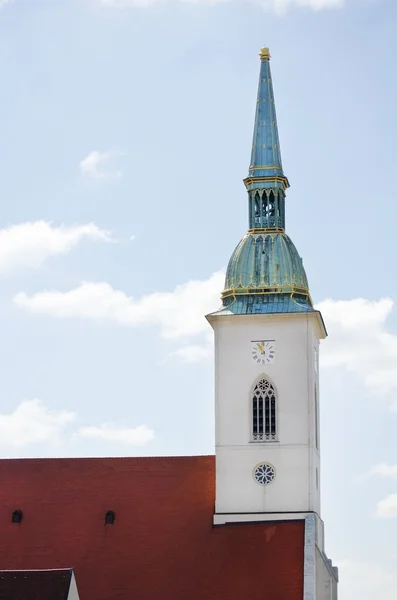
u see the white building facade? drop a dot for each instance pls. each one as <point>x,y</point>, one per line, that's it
<point>284,394</point>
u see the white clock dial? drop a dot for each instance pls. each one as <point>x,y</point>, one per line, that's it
<point>264,351</point>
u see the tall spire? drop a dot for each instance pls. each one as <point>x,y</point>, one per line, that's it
<point>266,182</point>
<point>265,273</point>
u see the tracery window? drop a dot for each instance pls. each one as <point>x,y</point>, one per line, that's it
<point>264,427</point>
<point>264,474</point>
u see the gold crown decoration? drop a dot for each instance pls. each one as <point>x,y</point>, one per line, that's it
<point>265,54</point>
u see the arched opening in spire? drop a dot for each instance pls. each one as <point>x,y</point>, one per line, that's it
<point>269,211</point>
<point>257,210</point>
<point>266,209</point>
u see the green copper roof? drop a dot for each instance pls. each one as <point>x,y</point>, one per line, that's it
<point>265,304</point>
<point>265,272</point>
<point>265,262</point>
<point>266,154</point>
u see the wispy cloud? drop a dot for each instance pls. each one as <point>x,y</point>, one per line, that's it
<point>129,3</point>
<point>110,432</point>
<point>193,353</point>
<point>282,6</point>
<point>366,581</point>
<point>31,423</point>
<point>387,508</point>
<point>178,314</point>
<point>30,244</point>
<point>384,470</point>
<point>276,6</point>
<point>98,165</point>
<point>358,338</point>
<point>360,343</point>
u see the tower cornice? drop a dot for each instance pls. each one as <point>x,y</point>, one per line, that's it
<point>270,182</point>
<point>227,317</point>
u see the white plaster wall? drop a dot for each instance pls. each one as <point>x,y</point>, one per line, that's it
<point>237,491</point>
<point>294,455</point>
<point>320,580</point>
<point>326,584</point>
<point>315,479</point>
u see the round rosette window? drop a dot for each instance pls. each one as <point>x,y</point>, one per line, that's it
<point>264,474</point>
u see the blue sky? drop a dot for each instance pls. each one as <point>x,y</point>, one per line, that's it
<point>126,133</point>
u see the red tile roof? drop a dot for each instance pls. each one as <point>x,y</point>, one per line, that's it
<point>35,585</point>
<point>162,545</point>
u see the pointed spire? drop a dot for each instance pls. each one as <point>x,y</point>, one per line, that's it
<point>265,274</point>
<point>266,182</point>
<point>266,155</point>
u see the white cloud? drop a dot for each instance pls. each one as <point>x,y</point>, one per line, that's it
<point>358,339</point>
<point>387,508</point>
<point>31,423</point>
<point>276,6</point>
<point>129,3</point>
<point>96,165</point>
<point>178,314</point>
<point>193,353</point>
<point>29,244</point>
<point>110,432</point>
<point>360,343</point>
<point>281,6</point>
<point>200,351</point>
<point>384,470</point>
<point>365,581</point>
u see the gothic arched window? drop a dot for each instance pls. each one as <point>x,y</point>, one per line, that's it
<point>264,427</point>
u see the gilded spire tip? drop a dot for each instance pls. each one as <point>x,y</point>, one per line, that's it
<point>265,54</point>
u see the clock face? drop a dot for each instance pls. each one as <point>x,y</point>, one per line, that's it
<point>264,351</point>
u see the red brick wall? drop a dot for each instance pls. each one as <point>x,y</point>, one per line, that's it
<point>162,545</point>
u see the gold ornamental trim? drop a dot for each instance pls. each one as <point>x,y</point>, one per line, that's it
<point>264,54</point>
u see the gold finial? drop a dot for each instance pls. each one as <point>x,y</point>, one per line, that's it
<point>265,54</point>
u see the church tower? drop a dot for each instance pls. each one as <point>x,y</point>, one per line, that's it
<point>267,336</point>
